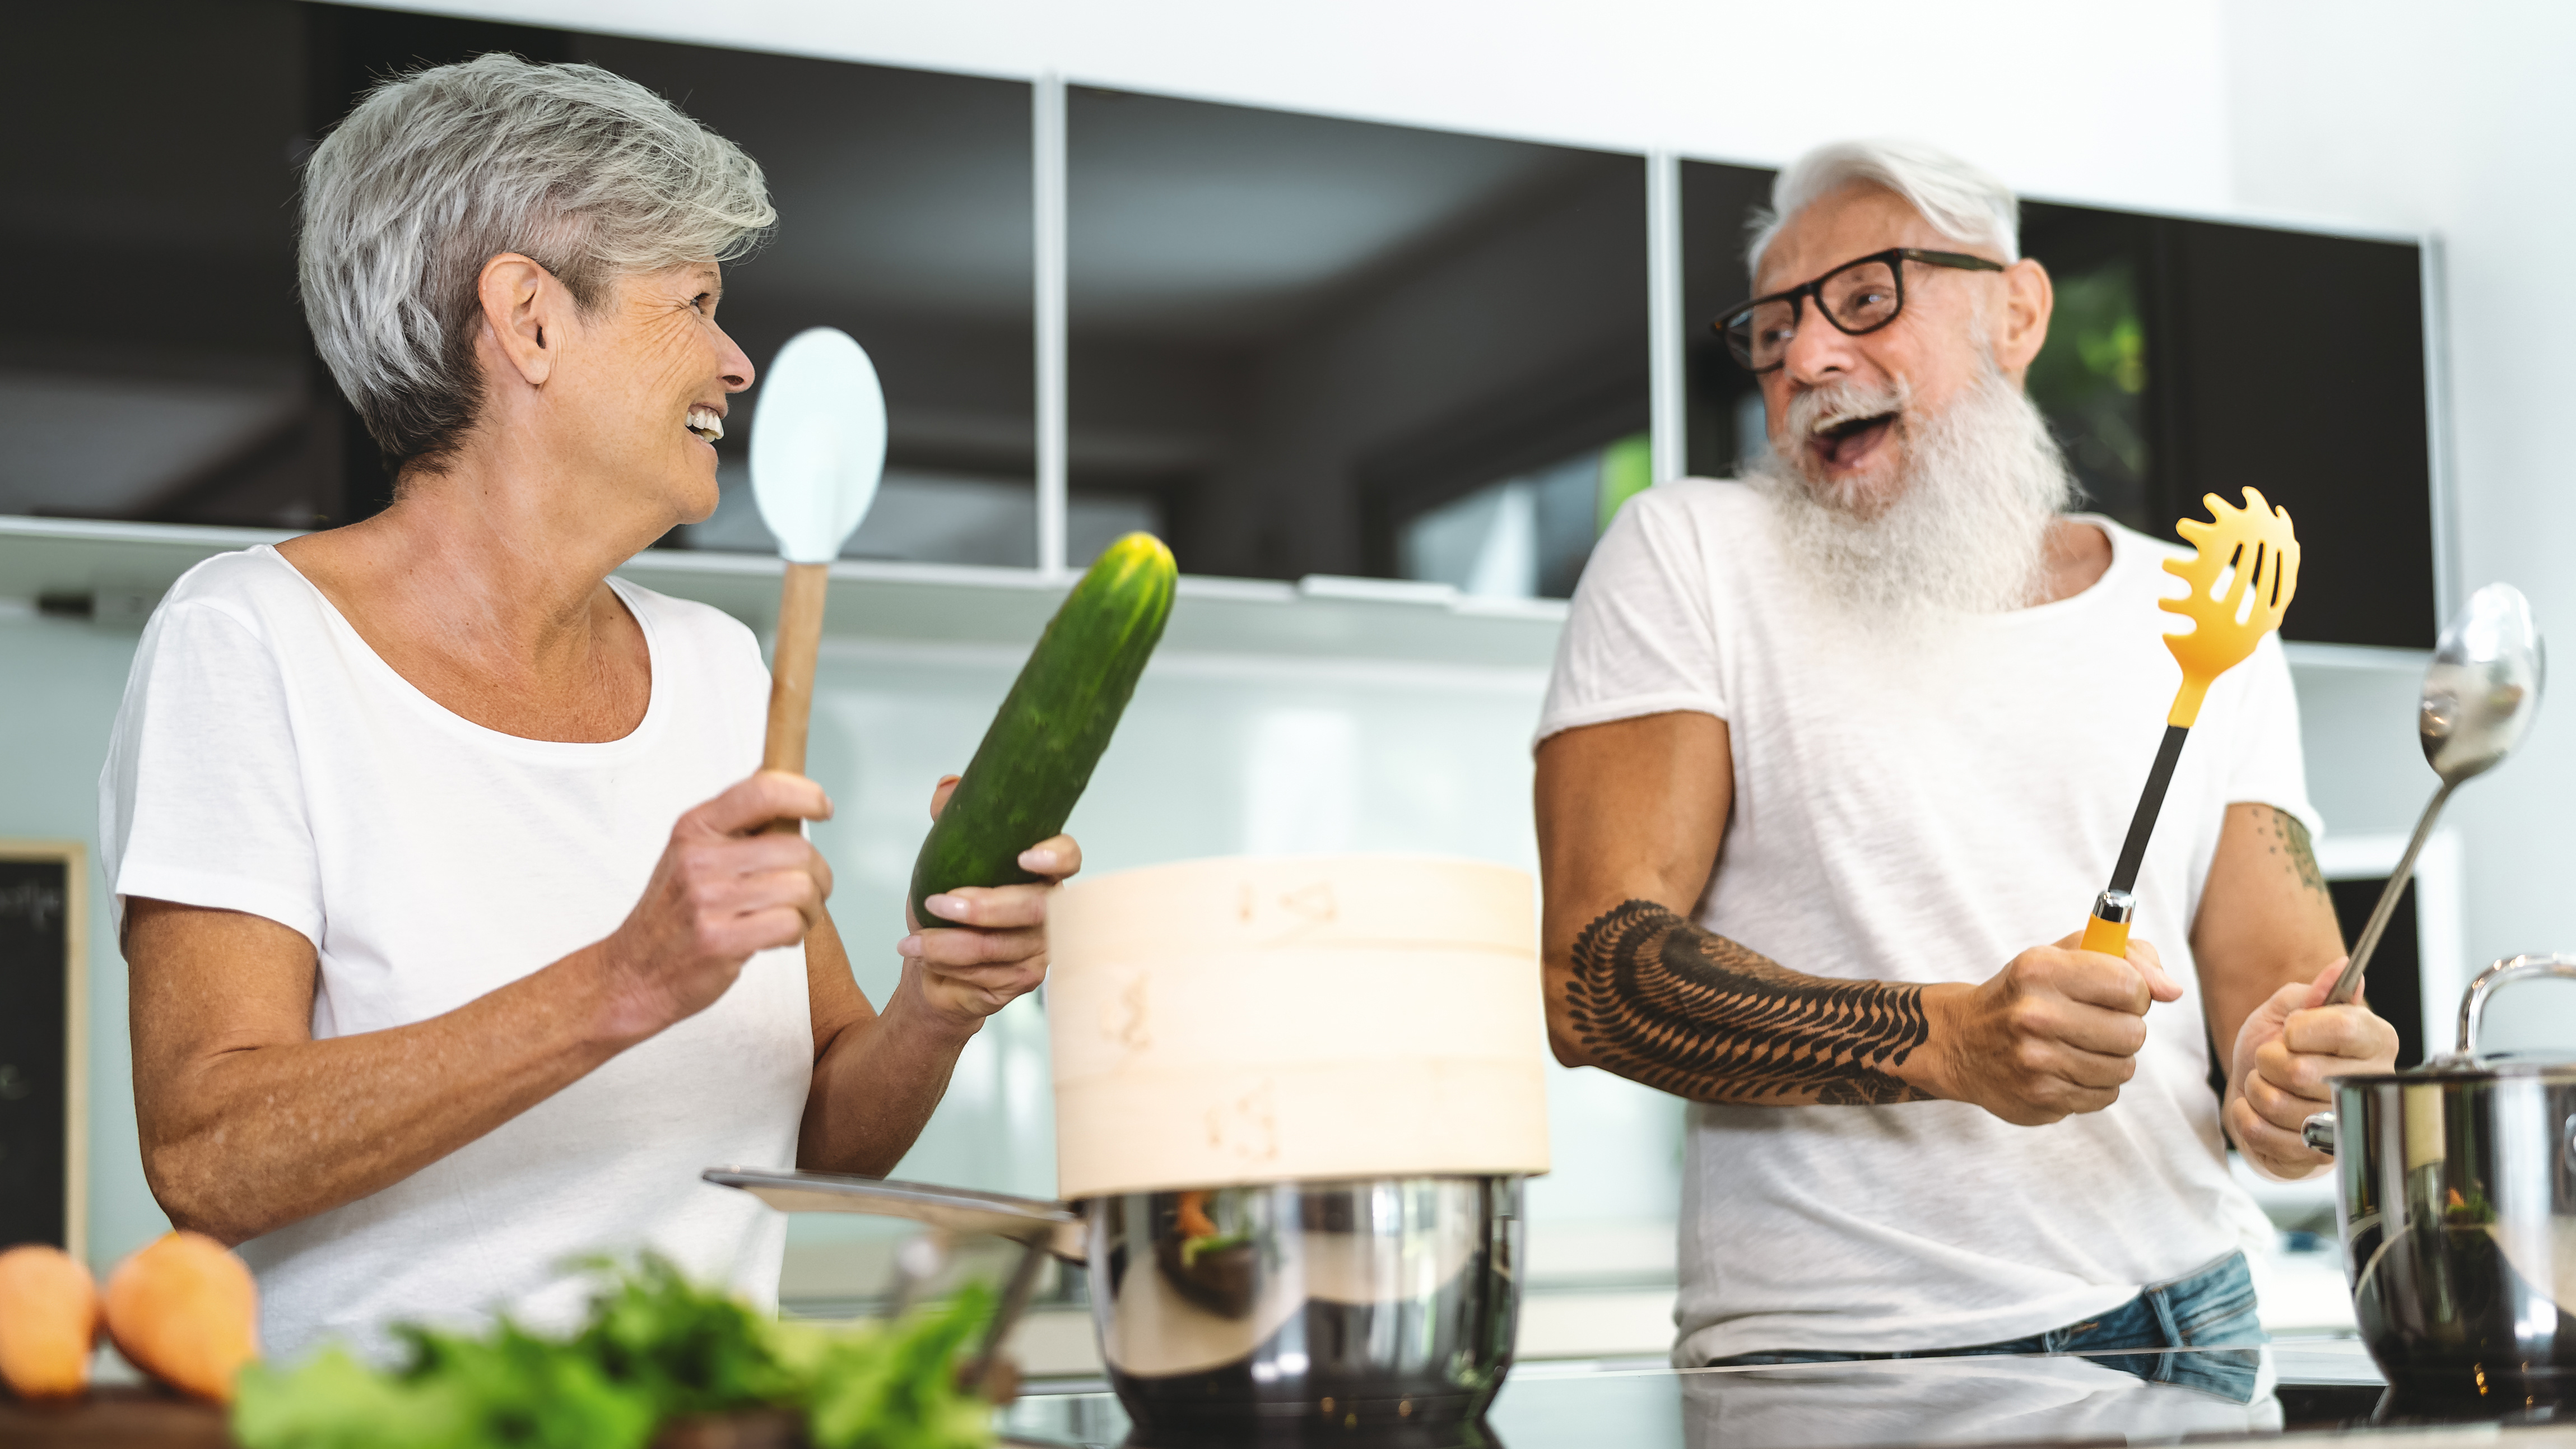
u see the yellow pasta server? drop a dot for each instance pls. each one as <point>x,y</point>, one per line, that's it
<point>2244,568</point>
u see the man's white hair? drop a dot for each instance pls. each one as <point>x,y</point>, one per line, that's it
<point>436,172</point>
<point>1963,202</point>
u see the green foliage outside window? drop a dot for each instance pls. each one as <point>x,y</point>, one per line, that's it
<point>2090,380</point>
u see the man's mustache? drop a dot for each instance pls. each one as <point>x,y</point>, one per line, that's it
<point>1838,404</point>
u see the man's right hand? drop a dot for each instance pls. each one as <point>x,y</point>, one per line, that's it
<point>2054,1033</point>
<point>720,892</point>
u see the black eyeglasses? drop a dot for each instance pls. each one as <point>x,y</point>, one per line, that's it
<point>1857,297</point>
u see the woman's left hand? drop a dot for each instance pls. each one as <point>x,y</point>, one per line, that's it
<point>990,944</point>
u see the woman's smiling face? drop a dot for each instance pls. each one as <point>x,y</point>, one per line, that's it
<point>652,386</point>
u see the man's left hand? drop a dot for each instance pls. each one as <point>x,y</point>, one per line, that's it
<point>990,945</point>
<point>2284,1054</point>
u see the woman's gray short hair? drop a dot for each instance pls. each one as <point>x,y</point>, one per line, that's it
<point>436,172</point>
<point>1961,201</point>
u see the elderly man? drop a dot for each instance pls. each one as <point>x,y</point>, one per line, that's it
<point>458,945</point>
<point>1828,749</point>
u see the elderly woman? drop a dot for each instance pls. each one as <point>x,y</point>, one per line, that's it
<point>430,993</point>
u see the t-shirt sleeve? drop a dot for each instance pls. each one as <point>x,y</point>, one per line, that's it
<point>1640,638</point>
<point>202,800</point>
<point>2270,767</point>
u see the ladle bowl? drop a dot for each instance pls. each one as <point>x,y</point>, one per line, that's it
<point>2481,692</point>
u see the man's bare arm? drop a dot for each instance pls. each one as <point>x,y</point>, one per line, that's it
<point>2266,933</point>
<point>1631,816</point>
<point>1660,1001</point>
<point>249,1124</point>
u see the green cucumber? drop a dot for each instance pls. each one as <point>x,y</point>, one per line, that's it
<point>1053,725</point>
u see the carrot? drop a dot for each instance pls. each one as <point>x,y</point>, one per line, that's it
<point>48,1322</point>
<point>185,1311</point>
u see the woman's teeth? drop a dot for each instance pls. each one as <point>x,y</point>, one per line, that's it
<point>706,423</point>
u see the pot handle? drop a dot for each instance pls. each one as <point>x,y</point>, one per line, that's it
<point>2473,1002</point>
<point>2319,1133</point>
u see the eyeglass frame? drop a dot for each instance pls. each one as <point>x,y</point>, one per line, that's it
<point>1797,296</point>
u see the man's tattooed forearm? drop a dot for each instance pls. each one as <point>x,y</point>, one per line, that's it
<point>2290,839</point>
<point>1660,1001</point>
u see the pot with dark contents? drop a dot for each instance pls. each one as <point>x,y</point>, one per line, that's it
<point>1284,1309</point>
<point>2456,1192</point>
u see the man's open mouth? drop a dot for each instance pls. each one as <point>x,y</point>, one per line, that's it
<point>706,422</point>
<point>1844,444</point>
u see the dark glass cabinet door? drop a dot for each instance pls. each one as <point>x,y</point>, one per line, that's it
<point>904,220</point>
<point>2194,357</point>
<point>165,348</point>
<point>1296,339</point>
<point>153,340</point>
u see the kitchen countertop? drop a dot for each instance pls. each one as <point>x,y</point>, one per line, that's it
<point>2295,1386</point>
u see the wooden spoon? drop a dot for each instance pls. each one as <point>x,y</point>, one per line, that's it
<point>818,448</point>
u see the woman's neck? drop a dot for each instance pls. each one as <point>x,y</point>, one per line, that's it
<point>492,600</point>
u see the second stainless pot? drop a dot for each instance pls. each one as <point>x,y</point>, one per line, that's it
<point>2457,1198</point>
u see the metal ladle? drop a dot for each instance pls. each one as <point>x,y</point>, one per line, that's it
<point>2480,693</point>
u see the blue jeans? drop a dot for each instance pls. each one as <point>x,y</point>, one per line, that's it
<point>2210,1307</point>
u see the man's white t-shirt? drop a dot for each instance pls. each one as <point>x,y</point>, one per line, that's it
<point>1924,811</point>
<point>266,760</point>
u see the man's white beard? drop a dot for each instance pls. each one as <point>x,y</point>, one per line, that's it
<point>1977,486</point>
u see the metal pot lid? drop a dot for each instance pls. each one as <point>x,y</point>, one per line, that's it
<point>2452,1067</point>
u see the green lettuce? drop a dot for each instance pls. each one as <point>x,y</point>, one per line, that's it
<point>654,1347</point>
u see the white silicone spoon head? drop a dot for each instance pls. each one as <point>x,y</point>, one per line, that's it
<point>818,442</point>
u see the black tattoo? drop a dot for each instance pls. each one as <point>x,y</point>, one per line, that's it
<point>2291,839</point>
<point>1660,1001</point>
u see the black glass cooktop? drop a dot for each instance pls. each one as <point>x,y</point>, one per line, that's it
<point>2201,1395</point>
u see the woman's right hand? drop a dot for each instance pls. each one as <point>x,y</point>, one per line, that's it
<point>720,892</point>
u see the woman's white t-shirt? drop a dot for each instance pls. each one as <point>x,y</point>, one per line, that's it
<point>266,760</point>
<point>1925,810</point>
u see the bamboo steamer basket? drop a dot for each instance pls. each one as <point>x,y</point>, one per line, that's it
<point>1272,1019</point>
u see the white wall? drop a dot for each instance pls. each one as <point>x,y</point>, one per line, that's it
<point>64,679</point>
<point>2454,119</point>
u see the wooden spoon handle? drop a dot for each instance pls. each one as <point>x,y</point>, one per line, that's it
<point>791,671</point>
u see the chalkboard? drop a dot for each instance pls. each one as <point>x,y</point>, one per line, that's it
<point>43,1085</point>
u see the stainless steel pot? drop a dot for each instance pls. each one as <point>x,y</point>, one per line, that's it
<point>2457,1199</point>
<point>1276,1310</point>
<point>1376,1304</point>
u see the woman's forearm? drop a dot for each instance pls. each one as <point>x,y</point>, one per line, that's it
<point>242,1138</point>
<point>877,1083</point>
<point>248,1124</point>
